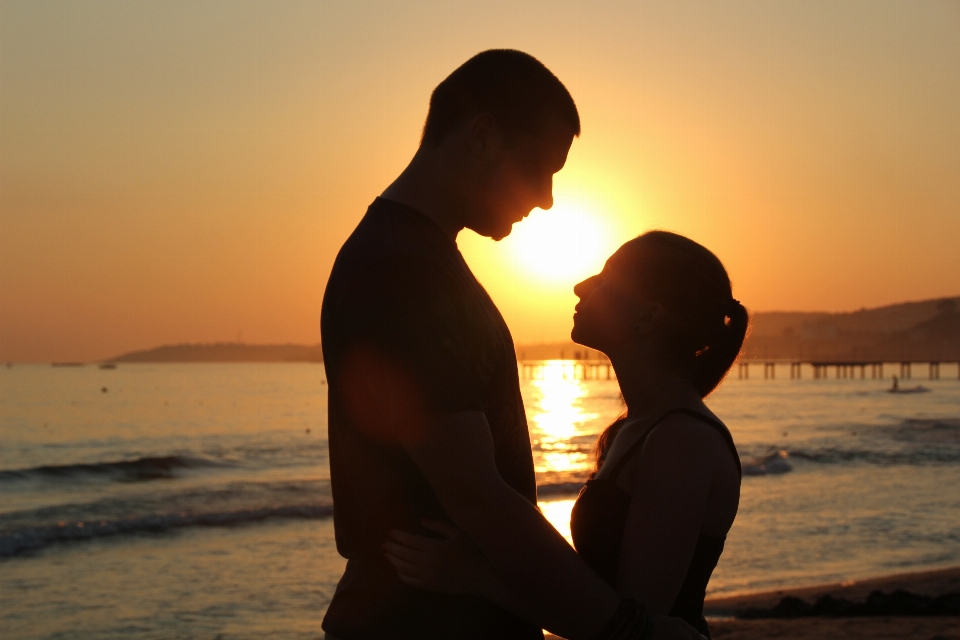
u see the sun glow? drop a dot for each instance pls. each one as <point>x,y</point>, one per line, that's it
<point>562,245</point>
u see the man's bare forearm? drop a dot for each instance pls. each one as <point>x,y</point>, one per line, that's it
<point>539,574</point>
<point>498,591</point>
<point>456,455</point>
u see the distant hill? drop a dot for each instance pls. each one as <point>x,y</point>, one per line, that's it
<point>226,352</point>
<point>927,330</point>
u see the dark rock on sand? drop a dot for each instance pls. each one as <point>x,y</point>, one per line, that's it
<point>878,603</point>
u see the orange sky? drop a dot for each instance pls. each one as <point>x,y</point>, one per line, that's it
<point>186,171</point>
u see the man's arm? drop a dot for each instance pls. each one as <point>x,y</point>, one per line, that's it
<point>454,565</point>
<point>456,456</point>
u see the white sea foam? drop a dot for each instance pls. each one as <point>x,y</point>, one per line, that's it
<point>26,540</point>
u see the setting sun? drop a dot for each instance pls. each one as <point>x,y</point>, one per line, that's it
<point>563,245</point>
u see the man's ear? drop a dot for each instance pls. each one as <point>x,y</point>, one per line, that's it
<point>484,137</point>
<point>649,318</point>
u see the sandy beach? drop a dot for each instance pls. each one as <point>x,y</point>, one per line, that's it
<point>721,612</point>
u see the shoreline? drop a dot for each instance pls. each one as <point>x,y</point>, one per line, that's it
<point>932,582</point>
<point>720,611</point>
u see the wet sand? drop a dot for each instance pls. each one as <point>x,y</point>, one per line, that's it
<point>926,583</point>
<point>932,628</point>
<point>721,612</point>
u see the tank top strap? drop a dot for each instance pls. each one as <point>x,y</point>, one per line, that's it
<point>722,428</point>
<point>636,446</point>
<point>719,426</point>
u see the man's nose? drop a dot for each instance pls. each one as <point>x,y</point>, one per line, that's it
<point>546,202</point>
<point>546,196</point>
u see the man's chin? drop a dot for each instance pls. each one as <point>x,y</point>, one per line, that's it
<point>499,234</point>
<point>494,233</point>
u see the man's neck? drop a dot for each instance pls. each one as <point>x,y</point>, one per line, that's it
<point>428,186</point>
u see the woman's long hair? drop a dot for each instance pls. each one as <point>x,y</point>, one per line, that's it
<point>705,325</point>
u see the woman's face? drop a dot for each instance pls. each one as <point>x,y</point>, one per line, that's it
<point>609,308</point>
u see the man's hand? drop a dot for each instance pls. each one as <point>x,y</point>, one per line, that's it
<point>451,564</point>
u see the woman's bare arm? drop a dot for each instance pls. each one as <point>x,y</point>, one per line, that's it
<point>672,484</point>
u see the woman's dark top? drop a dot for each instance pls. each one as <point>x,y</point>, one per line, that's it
<point>600,515</point>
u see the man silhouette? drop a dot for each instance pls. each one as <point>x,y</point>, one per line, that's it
<point>425,415</point>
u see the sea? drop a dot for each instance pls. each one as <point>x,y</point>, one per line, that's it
<point>193,500</point>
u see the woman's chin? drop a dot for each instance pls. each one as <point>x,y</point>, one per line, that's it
<point>581,337</point>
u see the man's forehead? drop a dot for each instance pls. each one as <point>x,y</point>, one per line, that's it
<point>550,131</point>
<point>555,134</point>
<point>549,145</point>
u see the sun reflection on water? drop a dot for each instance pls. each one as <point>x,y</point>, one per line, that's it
<point>565,415</point>
<point>557,513</point>
<point>558,419</point>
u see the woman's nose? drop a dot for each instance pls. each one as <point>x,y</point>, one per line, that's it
<point>582,289</point>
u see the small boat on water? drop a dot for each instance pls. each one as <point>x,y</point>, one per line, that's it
<point>896,388</point>
<point>108,365</point>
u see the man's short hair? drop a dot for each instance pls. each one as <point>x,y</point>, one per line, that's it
<point>514,87</point>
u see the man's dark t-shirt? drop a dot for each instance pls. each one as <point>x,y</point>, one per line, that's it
<point>408,332</point>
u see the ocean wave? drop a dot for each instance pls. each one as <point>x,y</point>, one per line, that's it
<point>759,462</point>
<point>27,540</point>
<point>920,456</point>
<point>565,446</point>
<point>772,464</point>
<point>148,468</point>
<point>559,488</point>
<point>233,496</point>
<point>929,431</point>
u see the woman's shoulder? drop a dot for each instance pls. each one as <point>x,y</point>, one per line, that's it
<point>694,438</point>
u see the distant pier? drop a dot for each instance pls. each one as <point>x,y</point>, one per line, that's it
<point>844,369</point>
<point>821,369</point>
<point>567,369</point>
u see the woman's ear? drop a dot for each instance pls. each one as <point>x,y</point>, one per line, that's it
<point>650,317</point>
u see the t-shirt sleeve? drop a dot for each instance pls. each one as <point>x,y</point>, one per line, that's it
<point>405,315</point>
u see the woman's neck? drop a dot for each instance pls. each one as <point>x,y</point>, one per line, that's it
<point>650,390</point>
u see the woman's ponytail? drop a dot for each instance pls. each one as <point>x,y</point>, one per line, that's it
<point>714,360</point>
